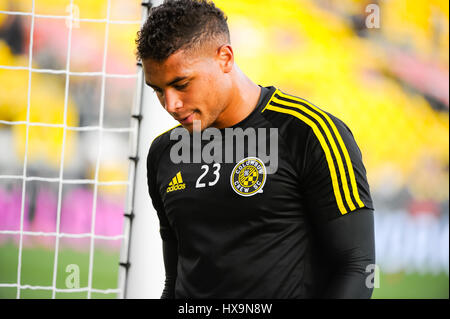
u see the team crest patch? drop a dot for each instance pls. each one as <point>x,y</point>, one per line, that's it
<point>248,176</point>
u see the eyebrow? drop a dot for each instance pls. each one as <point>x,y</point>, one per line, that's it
<point>176,80</point>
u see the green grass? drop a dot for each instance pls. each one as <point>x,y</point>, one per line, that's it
<point>412,286</point>
<point>37,269</point>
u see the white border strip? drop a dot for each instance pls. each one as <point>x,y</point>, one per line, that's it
<point>60,235</point>
<point>25,160</point>
<point>65,181</point>
<point>72,128</point>
<point>101,291</point>
<point>46,16</point>
<point>100,144</point>
<point>54,71</point>
<point>63,148</point>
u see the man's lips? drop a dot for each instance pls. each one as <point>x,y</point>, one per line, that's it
<point>186,120</point>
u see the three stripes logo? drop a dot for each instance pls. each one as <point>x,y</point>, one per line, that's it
<point>176,184</point>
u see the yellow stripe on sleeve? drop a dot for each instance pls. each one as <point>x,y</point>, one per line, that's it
<point>332,168</point>
<point>332,142</point>
<point>341,144</point>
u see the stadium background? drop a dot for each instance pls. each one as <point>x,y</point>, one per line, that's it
<point>389,84</point>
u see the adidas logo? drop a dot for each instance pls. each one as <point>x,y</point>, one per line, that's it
<point>176,184</point>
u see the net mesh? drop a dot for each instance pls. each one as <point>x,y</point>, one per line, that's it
<point>83,162</point>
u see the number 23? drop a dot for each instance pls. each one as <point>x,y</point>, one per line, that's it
<point>199,184</point>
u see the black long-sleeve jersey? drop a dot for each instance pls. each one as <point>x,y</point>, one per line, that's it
<point>235,229</point>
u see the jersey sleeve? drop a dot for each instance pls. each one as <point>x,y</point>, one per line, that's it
<point>170,253</point>
<point>334,176</point>
<point>152,162</point>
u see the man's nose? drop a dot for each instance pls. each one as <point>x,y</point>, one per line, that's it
<point>172,101</point>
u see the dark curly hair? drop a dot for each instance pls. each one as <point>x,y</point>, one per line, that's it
<point>180,24</point>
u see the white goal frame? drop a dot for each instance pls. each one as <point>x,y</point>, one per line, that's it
<point>142,269</point>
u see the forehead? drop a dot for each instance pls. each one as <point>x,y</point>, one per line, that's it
<point>178,64</point>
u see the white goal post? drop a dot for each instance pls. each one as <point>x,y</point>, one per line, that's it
<point>142,268</point>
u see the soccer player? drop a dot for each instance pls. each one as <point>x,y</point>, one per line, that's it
<point>234,229</point>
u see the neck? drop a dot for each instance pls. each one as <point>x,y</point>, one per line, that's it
<point>244,98</point>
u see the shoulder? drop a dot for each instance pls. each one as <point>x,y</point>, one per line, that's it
<point>310,132</point>
<point>159,144</point>
<point>325,153</point>
<point>299,118</point>
<point>286,113</point>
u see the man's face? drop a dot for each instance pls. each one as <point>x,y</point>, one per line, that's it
<point>189,88</point>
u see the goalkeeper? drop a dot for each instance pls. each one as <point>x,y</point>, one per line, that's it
<point>238,230</point>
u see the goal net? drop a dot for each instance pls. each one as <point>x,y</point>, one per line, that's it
<point>69,121</point>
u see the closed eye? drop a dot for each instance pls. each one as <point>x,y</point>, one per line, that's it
<point>157,90</point>
<point>181,87</point>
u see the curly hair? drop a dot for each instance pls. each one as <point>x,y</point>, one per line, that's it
<point>180,24</point>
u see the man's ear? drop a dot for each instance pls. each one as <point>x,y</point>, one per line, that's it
<point>225,56</point>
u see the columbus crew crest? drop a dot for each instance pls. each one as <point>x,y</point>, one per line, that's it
<point>248,176</point>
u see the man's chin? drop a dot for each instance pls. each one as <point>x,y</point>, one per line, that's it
<point>196,126</point>
<point>190,128</point>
